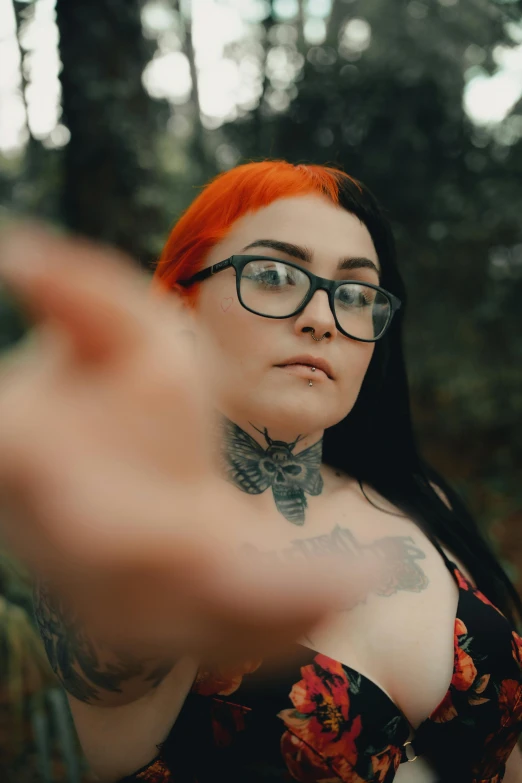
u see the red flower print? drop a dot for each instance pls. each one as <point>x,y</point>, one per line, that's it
<point>516,646</point>
<point>382,763</point>
<point>464,670</point>
<point>498,748</point>
<point>445,711</point>
<point>303,763</point>
<point>460,628</point>
<point>477,689</point>
<point>156,772</point>
<point>308,766</point>
<point>486,601</point>
<point>321,721</point>
<point>223,683</point>
<point>461,580</point>
<point>465,585</point>
<point>227,721</point>
<point>464,678</point>
<point>510,701</point>
<point>322,704</point>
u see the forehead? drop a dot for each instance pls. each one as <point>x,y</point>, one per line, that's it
<point>327,230</point>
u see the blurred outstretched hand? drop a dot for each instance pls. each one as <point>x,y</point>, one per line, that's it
<point>107,483</point>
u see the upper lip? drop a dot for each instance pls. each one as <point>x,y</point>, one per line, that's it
<point>312,361</point>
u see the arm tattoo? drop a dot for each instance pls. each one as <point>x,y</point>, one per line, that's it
<point>399,555</point>
<point>74,657</point>
<point>254,469</point>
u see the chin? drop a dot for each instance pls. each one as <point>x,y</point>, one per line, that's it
<point>297,413</point>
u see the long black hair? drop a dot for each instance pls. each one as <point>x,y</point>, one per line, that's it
<point>382,415</point>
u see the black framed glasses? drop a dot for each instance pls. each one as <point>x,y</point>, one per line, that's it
<point>280,289</point>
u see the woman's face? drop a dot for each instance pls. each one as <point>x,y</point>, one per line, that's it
<point>245,353</point>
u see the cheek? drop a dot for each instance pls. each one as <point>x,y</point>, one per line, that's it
<point>218,308</point>
<point>228,319</point>
<point>226,303</point>
<point>229,329</point>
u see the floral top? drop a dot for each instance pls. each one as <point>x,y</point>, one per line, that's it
<point>323,722</point>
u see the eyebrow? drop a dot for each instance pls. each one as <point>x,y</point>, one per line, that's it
<point>306,255</point>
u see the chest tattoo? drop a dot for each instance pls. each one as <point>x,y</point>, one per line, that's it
<point>399,555</point>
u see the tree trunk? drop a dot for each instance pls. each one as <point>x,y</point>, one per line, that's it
<point>198,146</point>
<point>301,43</point>
<point>262,129</point>
<point>339,13</point>
<point>26,197</point>
<point>21,11</point>
<point>109,164</point>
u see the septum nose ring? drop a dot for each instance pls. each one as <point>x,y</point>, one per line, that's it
<point>317,339</point>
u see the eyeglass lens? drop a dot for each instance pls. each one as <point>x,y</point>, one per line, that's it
<point>273,288</point>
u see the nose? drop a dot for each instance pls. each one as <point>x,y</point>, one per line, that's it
<point>317,316</point>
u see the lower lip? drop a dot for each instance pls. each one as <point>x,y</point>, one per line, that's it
<point>304,371</point>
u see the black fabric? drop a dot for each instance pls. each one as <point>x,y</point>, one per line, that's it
<point>252,732</point>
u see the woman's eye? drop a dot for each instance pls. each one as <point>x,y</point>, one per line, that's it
<point>275,277</point>
<point>267,276</point>
<point>270,276</point>
<point>347,297</point>
<point>356,297</point>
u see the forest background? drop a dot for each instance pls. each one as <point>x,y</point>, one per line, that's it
<point>113,113</point>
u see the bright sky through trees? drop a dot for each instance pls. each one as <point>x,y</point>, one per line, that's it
<point>224,83</point>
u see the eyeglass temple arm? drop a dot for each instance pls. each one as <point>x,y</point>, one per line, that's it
<point>208,272</point>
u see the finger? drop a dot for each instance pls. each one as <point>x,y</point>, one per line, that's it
<point>96,294</point>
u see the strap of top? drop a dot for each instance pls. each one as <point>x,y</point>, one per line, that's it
<point>449,563</point>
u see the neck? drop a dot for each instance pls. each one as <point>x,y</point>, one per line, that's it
<point>285,470</point>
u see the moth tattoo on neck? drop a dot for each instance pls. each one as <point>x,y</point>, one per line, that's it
<point>254,469</point>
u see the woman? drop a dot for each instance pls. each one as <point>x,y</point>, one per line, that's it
<point>294,303</point>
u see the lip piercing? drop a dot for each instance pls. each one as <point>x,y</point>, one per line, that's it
<point>310,382</point>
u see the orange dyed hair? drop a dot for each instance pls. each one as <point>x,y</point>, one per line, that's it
<point>227,198</point>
